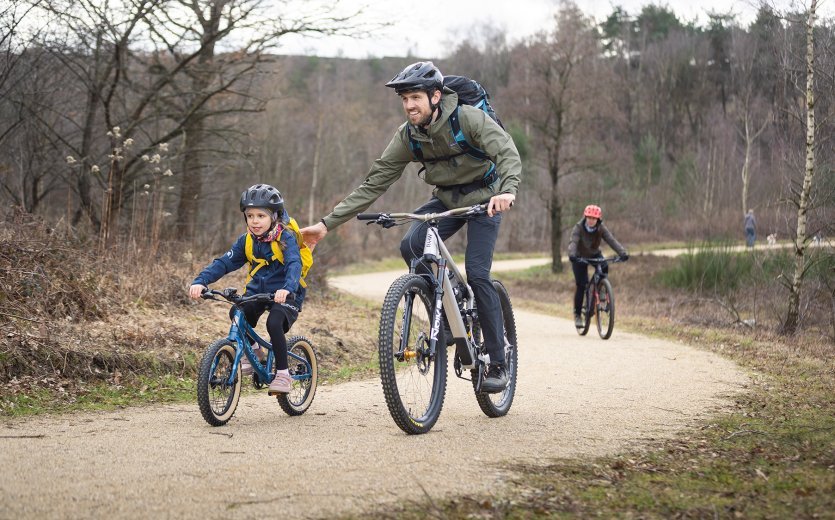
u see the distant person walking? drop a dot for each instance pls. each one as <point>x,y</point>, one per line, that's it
<point>750,228</point>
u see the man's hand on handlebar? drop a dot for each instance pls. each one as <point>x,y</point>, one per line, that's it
<point>500,203</point>
<point>313,234</point>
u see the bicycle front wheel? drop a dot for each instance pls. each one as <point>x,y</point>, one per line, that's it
<point>497,405</point>
<point>305,376</point>
<point>216,396</point>
<point>605,309</point>
<point>414,381</point>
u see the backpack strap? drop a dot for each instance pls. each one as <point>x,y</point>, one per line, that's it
<point>461,139</point>
<point>255,264</point>
<point>457,135</point>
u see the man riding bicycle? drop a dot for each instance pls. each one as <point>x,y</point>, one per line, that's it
<point>460,180</point>
<point>585,243</point>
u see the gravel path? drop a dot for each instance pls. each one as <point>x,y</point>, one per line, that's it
<point>576,397</point>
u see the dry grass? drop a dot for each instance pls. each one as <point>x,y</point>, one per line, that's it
<point>771,456</point>
<point>76,324</point>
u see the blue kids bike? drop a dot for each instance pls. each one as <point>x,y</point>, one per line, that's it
<point>219,377</point>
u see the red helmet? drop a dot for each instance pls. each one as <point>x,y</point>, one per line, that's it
<point>592,211</point>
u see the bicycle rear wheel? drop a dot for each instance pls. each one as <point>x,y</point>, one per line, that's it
<point>303,385</point>
<point>605,309</point>
<point>497,405</point>
<point>585,311</point>
<point>414,383</point>
<point>216,397</point>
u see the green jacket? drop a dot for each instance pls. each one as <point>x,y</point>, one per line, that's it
<point>481,131</point>
<point>587,245</point>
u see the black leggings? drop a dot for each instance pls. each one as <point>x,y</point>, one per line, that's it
<point>280,320</point>
<point>581,276</point>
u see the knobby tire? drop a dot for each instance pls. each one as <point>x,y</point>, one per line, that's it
<point>403,381</point>
<point>302,391</point>
<point>216,399</point>
<point>605,311</point>
<point>497,405</point>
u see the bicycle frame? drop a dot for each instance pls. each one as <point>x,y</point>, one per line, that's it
<point>596,278</point>
<point>445,272</point>
<point>239,332</point>
<point>593,296</point>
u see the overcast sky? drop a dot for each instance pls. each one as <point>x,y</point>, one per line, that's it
<point>426,28</point>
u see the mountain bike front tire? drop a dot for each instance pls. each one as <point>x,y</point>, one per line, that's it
<point>414,383</point>
<point>303,385</point>
<point>216,397</point>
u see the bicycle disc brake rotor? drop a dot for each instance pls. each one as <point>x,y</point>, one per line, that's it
<point>423,360</point>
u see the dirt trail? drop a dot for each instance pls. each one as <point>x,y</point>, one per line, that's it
<point>576,397</point>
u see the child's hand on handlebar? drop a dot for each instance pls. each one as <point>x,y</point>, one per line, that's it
<point>195,291</point>
<point>281,295</point>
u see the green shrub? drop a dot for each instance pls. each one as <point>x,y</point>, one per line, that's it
<point>710,268</point>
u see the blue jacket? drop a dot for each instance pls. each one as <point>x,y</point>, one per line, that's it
<point>269,278</point>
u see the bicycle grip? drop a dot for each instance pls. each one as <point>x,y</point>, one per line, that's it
<point>368,216</point>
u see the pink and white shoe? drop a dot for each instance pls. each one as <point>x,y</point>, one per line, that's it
<point>281,383</point>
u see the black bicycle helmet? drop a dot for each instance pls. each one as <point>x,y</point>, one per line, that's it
<point>423,75</point>
<point>263,196</point>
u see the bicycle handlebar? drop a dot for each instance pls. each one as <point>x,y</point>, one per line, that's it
<point>388,220</point>
<point>595,261</point>
<point>231,295</point>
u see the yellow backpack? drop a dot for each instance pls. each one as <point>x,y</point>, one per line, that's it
<point>257,263</point>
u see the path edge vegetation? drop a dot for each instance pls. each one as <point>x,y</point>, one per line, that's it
<point>771,455</point>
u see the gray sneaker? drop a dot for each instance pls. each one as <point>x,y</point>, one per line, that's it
<point>578,321</point>
<point>495,380</point>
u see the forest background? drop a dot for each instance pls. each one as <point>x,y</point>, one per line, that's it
<point>129,128</point>
<point>137,124</point>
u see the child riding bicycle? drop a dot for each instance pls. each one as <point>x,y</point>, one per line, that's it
<point>585,243</point>
<point>275,262</point>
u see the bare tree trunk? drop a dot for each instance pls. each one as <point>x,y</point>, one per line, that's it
<point>750,138</point>
<point>556,215</point>
<point>746,166</point>
<point>793,314</point>
<point>192,181</point>
<point>317,151</point>
<point>196,140</point>
<point>710,182</point>
<point>84,186</point>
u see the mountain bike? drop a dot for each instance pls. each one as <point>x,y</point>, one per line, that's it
<point>412,346</point>
<point>599,300</point>
<point>219,375</point>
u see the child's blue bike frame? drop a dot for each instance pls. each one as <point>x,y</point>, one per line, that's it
<point>240,330</point>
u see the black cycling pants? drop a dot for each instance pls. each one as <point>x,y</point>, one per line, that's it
<point>482,232</point>
<point>280,320</point>
<point>581,277</point>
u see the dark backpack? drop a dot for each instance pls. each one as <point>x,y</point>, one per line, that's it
<point>470,92</point>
